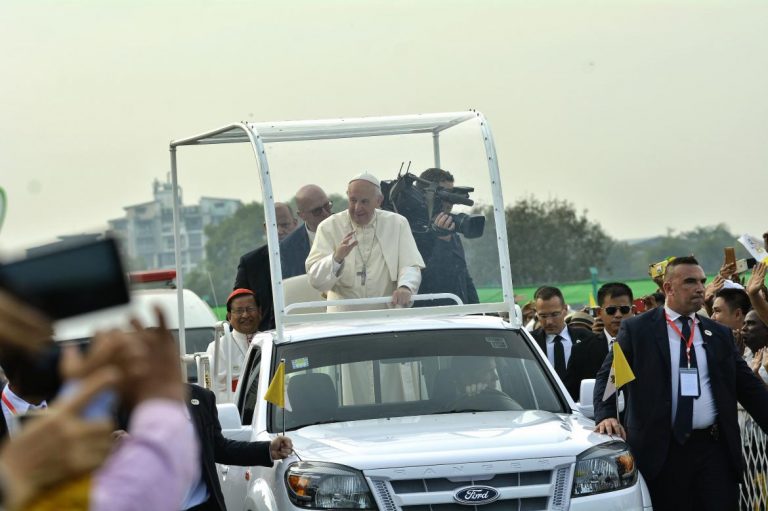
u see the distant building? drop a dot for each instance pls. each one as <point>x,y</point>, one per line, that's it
<point>147,228</point>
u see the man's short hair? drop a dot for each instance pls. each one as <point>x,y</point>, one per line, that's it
<point>547,293</point>
<point>736,299</point>
<point>436,175</point>
<point>679,261</point>
<point>614,290</point>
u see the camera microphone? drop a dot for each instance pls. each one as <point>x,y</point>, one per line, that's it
<point>455,198</point>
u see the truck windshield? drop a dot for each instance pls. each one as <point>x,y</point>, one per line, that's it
<point>397,374</point>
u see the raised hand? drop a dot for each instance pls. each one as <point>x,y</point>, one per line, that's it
<point>347,244</point>
<point>22,325</point>
<point>756,281</point>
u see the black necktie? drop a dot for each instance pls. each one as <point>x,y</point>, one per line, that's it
<point>684,416</point>
<point>559,357</point>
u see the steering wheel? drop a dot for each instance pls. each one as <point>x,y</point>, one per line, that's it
<point>489,400</point>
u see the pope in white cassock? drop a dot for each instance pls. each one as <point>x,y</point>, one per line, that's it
<point>365,252</point>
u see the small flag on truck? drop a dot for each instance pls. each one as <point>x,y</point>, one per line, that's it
<point>621,373</point>
<point>276,392</point>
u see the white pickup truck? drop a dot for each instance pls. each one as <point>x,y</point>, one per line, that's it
<point>422,409</point>
<point>424,414</point>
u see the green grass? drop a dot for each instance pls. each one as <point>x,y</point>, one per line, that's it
<point>575,293</point>
<point>221,312</point>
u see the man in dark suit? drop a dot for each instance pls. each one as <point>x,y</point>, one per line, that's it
<point>253,270</point>
<point>615,305</point>
<point>206,494</point>
<point>681,416</point>
<point>313,207</point>
<point>557,340</point>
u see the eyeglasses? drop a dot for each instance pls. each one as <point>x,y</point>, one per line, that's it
<point>319,210</point>
<point>247,310</point>
<point>624,309</point>
<point>550,315</point>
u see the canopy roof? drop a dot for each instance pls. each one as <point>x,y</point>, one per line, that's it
<point>290,131</point>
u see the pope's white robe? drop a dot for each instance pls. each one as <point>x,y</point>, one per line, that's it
<point>386,249</point>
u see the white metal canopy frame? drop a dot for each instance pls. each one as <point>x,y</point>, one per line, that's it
<point>261,133</point>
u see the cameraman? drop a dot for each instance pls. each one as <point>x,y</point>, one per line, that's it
<point>446,265</point>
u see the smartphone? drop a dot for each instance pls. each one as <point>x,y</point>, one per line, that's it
<point>730,255</point>
<point>743,265</point>
<point>70,281</point>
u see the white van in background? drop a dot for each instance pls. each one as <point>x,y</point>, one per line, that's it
<point>148,290</point>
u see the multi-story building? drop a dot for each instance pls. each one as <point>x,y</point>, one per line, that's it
<point>147,228</point>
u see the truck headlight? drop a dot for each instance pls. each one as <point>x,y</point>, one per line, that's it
<point>320,485</point>
<point>605,467</point>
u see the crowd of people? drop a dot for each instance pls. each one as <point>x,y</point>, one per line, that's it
<point>698,351</point>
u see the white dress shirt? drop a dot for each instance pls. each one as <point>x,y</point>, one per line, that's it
<point>310,235</point>
<point>567,345</point>
<point>704,410</point>
<point>20,407</point>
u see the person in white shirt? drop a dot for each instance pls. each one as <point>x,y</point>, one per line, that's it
<point>244,315</point>
<point>364,251</point>
<point>29,386</point>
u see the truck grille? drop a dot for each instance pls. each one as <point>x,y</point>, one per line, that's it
<point>535,490</point>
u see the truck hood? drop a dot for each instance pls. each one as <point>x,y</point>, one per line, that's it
<point>446,438</point>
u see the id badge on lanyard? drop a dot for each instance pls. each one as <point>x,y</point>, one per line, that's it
<point>689,382</point>
<point>689,376</point>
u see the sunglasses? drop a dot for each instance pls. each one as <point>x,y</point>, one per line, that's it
<point>319,210</point>
<point>624,309</point>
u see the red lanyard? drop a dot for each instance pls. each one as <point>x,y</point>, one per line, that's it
<point>8,404</point>
<point>690,339</point>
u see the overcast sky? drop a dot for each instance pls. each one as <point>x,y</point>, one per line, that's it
<point>650,115</point>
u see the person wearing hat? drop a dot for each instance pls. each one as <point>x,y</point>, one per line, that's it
<point>365,252</point>
<point>244,316</point>
<point>580,320</point>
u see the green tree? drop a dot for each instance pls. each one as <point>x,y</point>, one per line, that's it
<point>630,260</point>
<point>549,241</point>
<point>227,242</point>
<point>482,253</point>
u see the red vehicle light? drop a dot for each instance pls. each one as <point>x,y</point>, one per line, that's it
<point>142,277</point>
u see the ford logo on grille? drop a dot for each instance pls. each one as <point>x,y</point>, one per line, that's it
<point>476,495</point>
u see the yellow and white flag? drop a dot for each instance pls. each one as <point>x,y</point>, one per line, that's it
<point>592,303</point>
<point>276,392</point>
<point>621,373</point>
<point>755,247</point>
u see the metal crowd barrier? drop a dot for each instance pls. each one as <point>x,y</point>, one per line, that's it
<point>754,446</point>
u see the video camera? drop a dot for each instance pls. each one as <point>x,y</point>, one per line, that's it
<point>420,201</point>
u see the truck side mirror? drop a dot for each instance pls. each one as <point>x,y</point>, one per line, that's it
<point>586,391</point>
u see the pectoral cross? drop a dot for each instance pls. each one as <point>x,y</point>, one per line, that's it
<point>362,275</point>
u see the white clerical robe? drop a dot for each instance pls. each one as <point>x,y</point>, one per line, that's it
<point>239,349</point>
<point>385,258</point>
